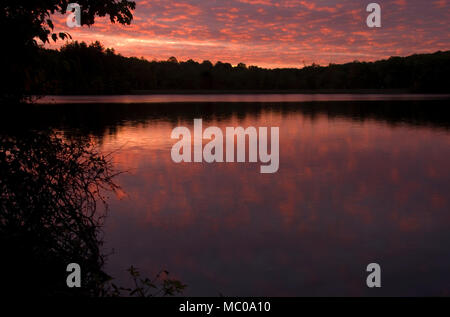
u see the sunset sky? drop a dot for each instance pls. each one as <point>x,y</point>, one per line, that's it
<point>273,33</point>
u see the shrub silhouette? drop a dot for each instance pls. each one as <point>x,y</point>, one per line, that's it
<point>49,193</point>
<point>51,189</point>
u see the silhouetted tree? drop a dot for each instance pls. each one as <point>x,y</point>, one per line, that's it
<point>21,22</point>
<point>50,190</point>
<point>49,194</point>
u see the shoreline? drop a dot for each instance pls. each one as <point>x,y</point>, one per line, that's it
<point>267,92</point>
<point>231,98</point>
<point>255,92</point>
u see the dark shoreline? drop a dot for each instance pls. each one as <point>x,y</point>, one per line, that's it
<point>268,92</point>
<point>256,92</point>
<point>230,97</point>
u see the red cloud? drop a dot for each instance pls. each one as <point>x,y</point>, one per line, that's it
<point>281,33</point>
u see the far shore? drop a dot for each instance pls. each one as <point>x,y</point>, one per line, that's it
<point>266,92</point>
<point>228,97</point>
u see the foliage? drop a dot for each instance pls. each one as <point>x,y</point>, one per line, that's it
<point>23,22</point>
<point>79,68</point>
<point>33,19</point>
<point>161,285</point>
<point>49,194</point>
<point>50,188</point>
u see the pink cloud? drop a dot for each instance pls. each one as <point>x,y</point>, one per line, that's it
<point>282,33</point>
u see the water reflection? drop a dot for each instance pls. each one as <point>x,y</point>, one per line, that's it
<point>359,182</point>
<point>106,119</point>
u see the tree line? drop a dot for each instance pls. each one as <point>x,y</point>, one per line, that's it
<point>79,68</point>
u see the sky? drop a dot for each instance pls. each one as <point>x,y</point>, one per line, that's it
<point>272,33</point>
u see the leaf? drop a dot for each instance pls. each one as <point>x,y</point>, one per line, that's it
<point>43,38</point>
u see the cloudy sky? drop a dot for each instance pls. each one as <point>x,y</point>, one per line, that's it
<point>274,33</point>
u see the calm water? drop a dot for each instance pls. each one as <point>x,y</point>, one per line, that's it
<point>358,182</point>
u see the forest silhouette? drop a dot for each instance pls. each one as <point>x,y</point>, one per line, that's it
<point>79,68</point>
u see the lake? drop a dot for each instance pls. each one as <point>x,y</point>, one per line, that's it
<point>361,179</point>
